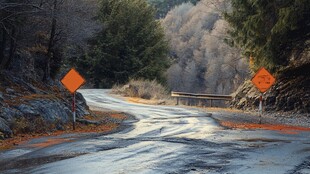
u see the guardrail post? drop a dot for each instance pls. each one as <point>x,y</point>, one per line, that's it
<point>177,100</point>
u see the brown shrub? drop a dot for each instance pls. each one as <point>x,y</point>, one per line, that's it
<point>145,89</point>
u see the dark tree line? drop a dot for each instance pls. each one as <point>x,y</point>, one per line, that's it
<point>131,44</point>
<point>271,31</point>
<point>121,41</point>
<point>30,26</point>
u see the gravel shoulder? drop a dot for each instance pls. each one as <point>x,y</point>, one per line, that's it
<point>283,122</point>
<point>291,119</point>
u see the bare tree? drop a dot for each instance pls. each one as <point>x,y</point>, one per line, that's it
<point>204,62</point>
<point>49,30</point>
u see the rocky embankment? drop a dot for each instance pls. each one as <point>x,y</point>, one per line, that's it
<point>291,93</point>
<point>30,106</point>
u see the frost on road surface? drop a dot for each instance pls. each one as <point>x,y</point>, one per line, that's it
<point>167,139</point>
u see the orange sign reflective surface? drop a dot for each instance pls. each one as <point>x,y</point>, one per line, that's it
<point>263,80</point>
<point>73,80</point>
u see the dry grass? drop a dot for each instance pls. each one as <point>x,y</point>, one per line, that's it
<point>145,89</point>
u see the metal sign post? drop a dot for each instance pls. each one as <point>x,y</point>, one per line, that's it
<point>260,108</point>
<point>263,80</point>
<point>73,81</point>
<point>73,110</point>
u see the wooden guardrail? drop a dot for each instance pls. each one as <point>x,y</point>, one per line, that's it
<point>210,97</point>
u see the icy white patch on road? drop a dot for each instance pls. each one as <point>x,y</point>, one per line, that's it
<point>157,120</point>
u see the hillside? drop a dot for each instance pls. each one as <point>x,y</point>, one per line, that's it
<point>36,47</point>
<point>291,92</point>
<point>29,106</point>
<point>195,46</point>
<point>282,46</point>
<point>203,62</point>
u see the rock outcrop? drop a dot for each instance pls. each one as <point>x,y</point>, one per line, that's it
<point>291,92</point>
<point>30,101</point>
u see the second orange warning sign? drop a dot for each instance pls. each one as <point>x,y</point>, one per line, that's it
<point>263,80</point>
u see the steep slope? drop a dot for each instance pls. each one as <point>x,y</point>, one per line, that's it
<point>291,91</point>
<point>39,41</point>
<point>27,105</point>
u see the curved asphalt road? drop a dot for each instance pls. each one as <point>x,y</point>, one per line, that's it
<point>167,139</point>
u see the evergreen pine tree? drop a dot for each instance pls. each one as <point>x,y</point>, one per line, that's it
<point>270,30</point>
<point>130,45</point>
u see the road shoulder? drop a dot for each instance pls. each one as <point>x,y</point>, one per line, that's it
<point>236,119</point>
<point>100,122</point>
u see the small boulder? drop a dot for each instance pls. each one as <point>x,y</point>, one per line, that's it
<point>9,91</point>
<point>27,110</point>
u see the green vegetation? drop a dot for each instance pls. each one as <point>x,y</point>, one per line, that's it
<point>130,45</point>
<point>271,31</point>
<point>164,6</point>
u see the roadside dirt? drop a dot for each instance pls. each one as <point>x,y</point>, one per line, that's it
<point>284,129</point>
<point>112,122</point>
<point>237,119</point>
<point>141,101</point>
<point>138,100</point>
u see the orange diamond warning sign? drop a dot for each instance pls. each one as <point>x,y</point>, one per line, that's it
<point>73,80</point>
<point>263,80</point>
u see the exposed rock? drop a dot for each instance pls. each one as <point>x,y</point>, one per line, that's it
<point>5,129</point>
<point>27,110</point>
<point>291,93</point>
<point>31,101</point>
<point>81,106</point>
<point>10,91</point>
<point>9,114</point>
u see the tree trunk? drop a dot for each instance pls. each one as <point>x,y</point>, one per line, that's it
<point>2,46</point>
<point>7,61</point>
<point>50,44</point>
<point>12,47</point>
